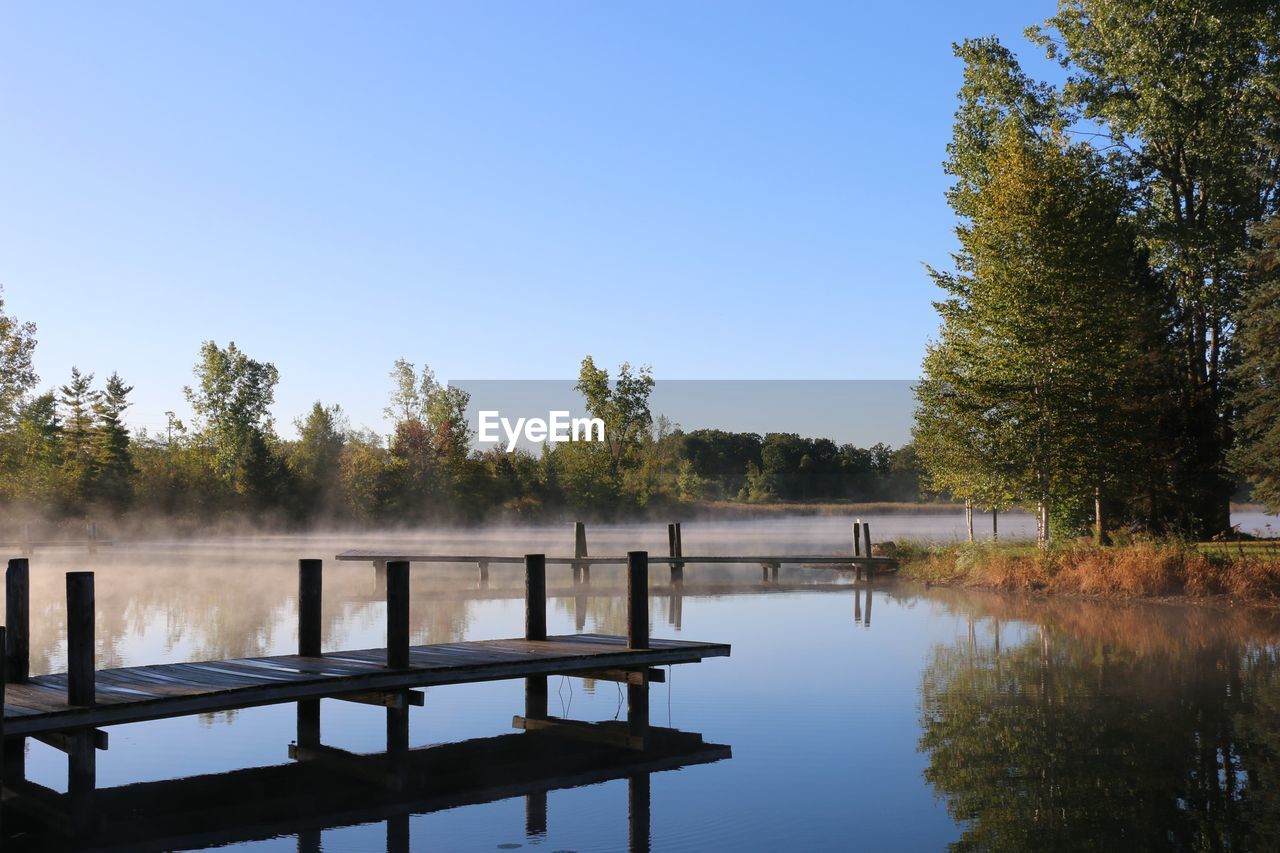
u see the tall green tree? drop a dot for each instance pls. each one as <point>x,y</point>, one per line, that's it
<point>1022,392</point>
<point>1257,455</point>
<point>622,404</point>
<point>112,448</point>
<point>316,458</point>
<point>1184,93</point>
<point>79,435</point>
<point>232,399</point>
<point>17,376</point>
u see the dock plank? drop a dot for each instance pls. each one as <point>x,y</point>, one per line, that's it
<point>136,694</point>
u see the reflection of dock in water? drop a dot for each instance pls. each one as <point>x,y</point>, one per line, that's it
<point>330,788</point>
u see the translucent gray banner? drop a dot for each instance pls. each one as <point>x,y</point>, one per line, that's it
<point>862,412</point>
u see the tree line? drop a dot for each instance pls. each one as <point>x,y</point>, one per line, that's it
<point>1108,354</point>
<point>66,453</point>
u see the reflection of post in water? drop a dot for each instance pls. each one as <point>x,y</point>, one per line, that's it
<point>638,819</point>
<point>398,833</point>
<point>580,609</point>
<point>677,605</point>
<point>861,610</point>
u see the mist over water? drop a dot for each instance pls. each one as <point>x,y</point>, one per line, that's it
<point>855,716</point>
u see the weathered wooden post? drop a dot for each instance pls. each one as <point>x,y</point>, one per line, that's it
<point>675,549</point>
<point>535,628</point>
<point>93,537</point>
<point>310,591</point>
<point>968,518</point>
<point>638,599</point>
<point>483,568</point>
<point>581,571</point>
<point>857,537</point>
<point>310,596</point>
<point>80,640</point>
<point>398,614</point>
<point>17,619</point>
<point>379,577</point>
<point>866,542</point>
<point>535,596</point>
<point>995,524</point>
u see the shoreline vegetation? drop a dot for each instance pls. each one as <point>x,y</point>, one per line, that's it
<point>1246,570</point>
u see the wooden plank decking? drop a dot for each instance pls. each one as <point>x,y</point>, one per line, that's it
<point>135,694</point>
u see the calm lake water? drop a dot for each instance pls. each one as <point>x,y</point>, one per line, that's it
<point>889,718</point>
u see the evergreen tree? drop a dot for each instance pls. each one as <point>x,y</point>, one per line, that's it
<point>112,451</point>
<point>1257,455</point>
<point>79,436</point>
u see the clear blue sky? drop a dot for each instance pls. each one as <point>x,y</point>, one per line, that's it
<point>723,190</point>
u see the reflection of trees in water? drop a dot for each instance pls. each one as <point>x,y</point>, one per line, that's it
<point>1107,727</point>
<point>240,605</point>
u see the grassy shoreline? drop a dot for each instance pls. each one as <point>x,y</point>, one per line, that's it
<point>1247,571</point>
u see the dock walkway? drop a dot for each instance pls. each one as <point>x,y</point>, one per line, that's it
<point>137,694</point>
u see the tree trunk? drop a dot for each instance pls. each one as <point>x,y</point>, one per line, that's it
<point>1098,534</point>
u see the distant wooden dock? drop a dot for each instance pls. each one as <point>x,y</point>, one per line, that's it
<point>860,562</point>
<point>66,709</point>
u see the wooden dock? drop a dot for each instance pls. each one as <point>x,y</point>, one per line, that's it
<point>860,562</point>
<point>138,694</point>
<point>66,709</point>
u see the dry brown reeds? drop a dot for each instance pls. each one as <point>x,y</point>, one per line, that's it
<point>1140,570</point>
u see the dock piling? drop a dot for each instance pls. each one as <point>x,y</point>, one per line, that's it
<point>17,620</point>
<point>310,590</point>
<point>675,549</point>
<point>638,599</point>
<point>866,538</point>
<point>80,639</point>
<point>857,538</point>
<point>535,628</point>
<point>535,596</point>
<point>398,614</point>
<point>581,571</point>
